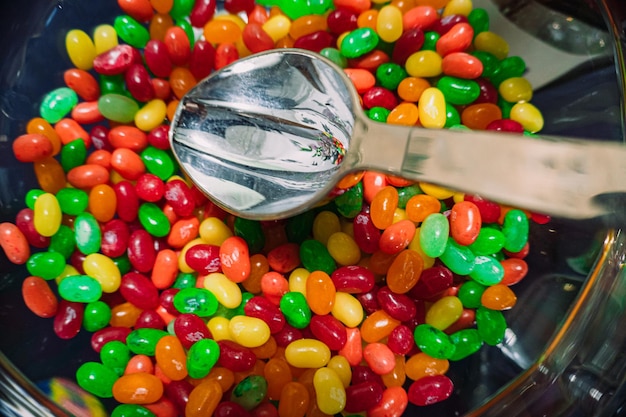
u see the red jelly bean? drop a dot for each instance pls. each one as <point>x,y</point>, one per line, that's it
<point>433,281</point>
<point>149,319</point>
<point>379,97</point>
<point>69,319</point>
<point>24,220</point>
<point>410,42</point>
<point>109,334</point>
<point>370,61</point>
<point>315,41</point>
<point>489,211</point>
<point>116,60</point>
<point>366,235</point>
<point>238,6</point>
<point>178,392</point>
<point>179,196</point>
<point>256,39</point>
<point>150,188</point>
<point>462,65</point>
<point>99,136</point>
<point>235,357</point>
<point>465,222</point>
<point>202,12</point>
<point>167,300</point>
<point>363,396</point>
<point>138,83</point>
<point>284,258</point>
<point>421,17</point>
<point>506,125</point>
<point>189,328</point>
<point>203,258</point>
<point>265,310</point>
<point>400,341</point>
<point>83,83</point>
<point>329,330</point>
<point>287,335</point>
<point>128,137</point>
<point>353,279</point>
<point>141,252</point>
<point>488,93</point>
<point>86,113</point>
<point>446,23</point>
<point>368,300</point>
<point>39,298</point>
<point>457,39</point>
<point>158,137</point>
<point>341,20</point>
<point>128,201</point>
<point>115,235</point>
<point>399,306</point>
<point>430,390</point>
<point>397,237</point>
<point>140,10</point>
<point>235,259</point>
<point>138,290</point>
<point>362,373</point>
<point>127,163</point>
<point>202,59</point>
<point>157,58</point>
<point>177,45</point>
<point>226,53</point>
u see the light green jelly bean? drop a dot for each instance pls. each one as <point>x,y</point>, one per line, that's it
<point>73,154</point>
<point>47,265</point>
<point>470,293</point>
<point>154,220</point>
<point>466,342</point>
<point>131,410</point>
<point>31,197</point>
<point>249,392</point>
<point>131,31</point>
<point>315,256</point>
<point>296,310</point>
<point>158,162</point>
<point>63,241</point>
<point>433,342</point>
<point>96,379</point>
<point>458,91</point>
<point>72,200</point>
<point>118,108</point>
<point>487,271</point>
<point>201,357</point>
<point>143,341</point>
<point>97,316</point>
<point>87,233</point>
<point>57,104</point>
<point>335,56</point>
<point>515,228</point>
<point>458,258</point>
<point>434,234</point>
<point>350,203</point>
<point>80,288</point>
<point>491,325</point>
<point>490,240</point>
<point>359,42</point>
<point>198,301</point>
<point>115,355</point>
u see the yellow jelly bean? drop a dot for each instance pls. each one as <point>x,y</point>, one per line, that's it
<point>325,224</point>
<point>432,108</point>
<point>516,89</point>
<point>347,309</point>
<point>460,7</point>
<point>249,332</point>
<point>226,291</point>
<point>104,38</point>
<point>182,263</point>
<point>220,328</point>
<point>405,114</point>
<point>104,270</point>
<point>444,312</point>
<point>389,23</point>
<point>214,231</point>
<point>440,193</point>
<point>80,49</point>
<point>48,215</point>
<point>528,116</point>
<point>151,115</point>
<point>417,247</point>
<point>277,27</point>
<point>458,197</point>
<point>232,18</point>
<point>490,42</point>
<point>297,280</point>
<point>343,249</point>
<point>307,353</point>
<point>341,366</point>
<point>329,391</point>
<point>424,64</point>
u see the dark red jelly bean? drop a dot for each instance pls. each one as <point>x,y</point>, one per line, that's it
<point>127,201</point>
<point>362,373</point>
<point>363,396</point>
<point>138,290</point>
<point>238,6</point>
<point>467,320</point>
<point>178,195</point>
<point>366,235</point>
<point>506,125</point>
<point>433,281</point>
<point>230,409</point>
<point>329,330</point>
<point>157,58</point>
<point>69,319</point>
<point>139,83</point>
<point>149,319</point>
<point>488,93</point>
<point>150,188</point>
<point>369,301</point>
<point>115,235</point>
<point>141,252</point>
<point>167,300</point>
<point>100,138</point>
<point>284,258</point>
<point>204,258</point>
<point>400,341</point>
<point>158,137</point>
<point>430,390</point>
<point>399,306</point>
<point>235,357</point>
<point>379,97</point>
<point>25,221</point>
<point>287,335</point>
<point>109,334</point>
<point>443,25</point>
<point>489,211</point>
<point>202,60</point>
<point>189,328</point>
<point>76,260</point>
<point>115,61</point>
<point>202,12</point>
<point>353,279</point>
<point>315,41</point>
<point>262,308</point>
<point>178,392</point>
<point>410,42</point>
<point>342,20</point>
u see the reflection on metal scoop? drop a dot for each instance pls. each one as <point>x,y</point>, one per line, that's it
<point>270,135</point>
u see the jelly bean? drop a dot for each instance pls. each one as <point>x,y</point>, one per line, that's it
<point>199,301</point>
<point>88,233</point>
<point>115,61</point>
<point>514,270</point>
<point>158,162</point>
<point>39,297</point>
<point>32,147</point>
<point>131,31</point>
<point>96,379</point>
<point>444,312</point>
<point>491,325</point>
<point>144,341</point>
<point>68,320</point>
<point>249,392</point>
<point>235,357</point>
<point>363,396</point>
<point>515,230</point>
<point>433,341</point>
<point>235,259</point>
<point>138,9</point>
<point>50,175</point>
<point>203,399</point>
<point>487,271</point>
<point>457,39</point>
<point>325,224</point>
<point>424,64</point>
<point>296,310</point>
<point>104,38</point>
<point>459,259</point>
<point>377,326</point>
<point>24,220</point>
<point>528,116</point>
<point>420,206</point>
<point>359,42</point>
<point>102,202</point>
<point>115,235</point>
<point>389,23</point>
<point>80,288</point>
<point>63,242</point>
<point>430,390</point>
<point>347,309</point>
<point>189,328</point>
<point>214,231</point>
<point>457,90</point>
<point>491,42</point>
<point>379,358</point>
<point>202,357</point>
<point>153,220</point>
<point>171,357</point>
<point>178,45</point>
<point>249,331</point>
<point>201,12</point>
<point>432,108</point>
<point>515,89</point>
<point>343,249</point>
<point>397,306</point>
<point>353,279</point>
<point>294,400</point>
<point>400,341</point>
<point>284,258</point>
<point>14,243</point>
<point>479,115</point>
<point>307,353</point>
<point>38,125</point>
<point>261,308</point>
<point>118,108</point>
<point>57,104</point>
<point>47,216</point>
<point>219,328</point>
<point>434,234</point>
<point>462,65</point>
<point>278,373</point>
<point>330,394</point>
<point>80,48</point>
<point>138,388</point>
<point>96,316</point>
<point>393,403</point>
<point>115,355</point>
<point>498,297</point>
<point>329,330</point>
<point>126,410</point>
<point>139,290</point>
<point>470,294</point>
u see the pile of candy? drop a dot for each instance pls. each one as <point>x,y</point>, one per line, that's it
<point>356,307</point>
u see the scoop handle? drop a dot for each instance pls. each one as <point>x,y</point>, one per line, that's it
<point>559,176</point>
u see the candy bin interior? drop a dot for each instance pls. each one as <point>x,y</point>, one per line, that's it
<point>562,353</point>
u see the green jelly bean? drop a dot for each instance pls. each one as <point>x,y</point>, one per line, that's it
<point>198,301</point>
<point>434,234</point>
<point>96,379</point>
<point>131,410</point>
<point>80,288</point>
<point>158,162</point>
<point>143,341</point>
<point>430,41</point>
<point>118,108</point>
<point>73,154</point>
<point>31,196</point>
<point>511,66</point>
<point>63,242</point>
<point>491,325</point>
<point>458,91</point>
<point>466,342</point>
<point>405,194</point>
<point>319,7</point>
<point>225,312</point>
<point>72,200</point>
<point>487,270</point>
<point>252,232</point>
<point>184,280</point>
<point>489,61</point>
<point>96,316</point>
<point>506,107</point>
<point>378,114</point>
<point>57,104</point>
<point>515,229</point>
<point>350,203</point>
<point>115,355</point>
<point>470,293</point>
<point>249,392</point>
<point>335,56</point>
<point>490,240</point>
<point>294,8</point>
<point>298,227</point>
<point>433,342</point>
<point>201,357</point>
<point>478,19</point>
<point>131,31</point>
<point>123,263</point>
<point>453,117</point>
<point>154,220</point>
<point>181,8</point>
<point>87,233</point>
<point>389,75</point>
<point>47,265</point>
<point>315,256</point>
<point>186,26</point>
<point>458,258</point>
<point>359,42</point>
<point>112,84</point>
<point>245,297</point>
<point>296,310</point>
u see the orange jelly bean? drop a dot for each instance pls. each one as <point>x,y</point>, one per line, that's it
<point>462,65</point>
<point>362,79</point>
<point>306,25</point>
<point>165,269</point>
<point>83,83</point>
<point>420,17</point>
<point>69,130</point>
<point>405,271</point>
<point>421,206</point>
<point>498,297</point>
<point>320,292</point>
<point>181,81</point>
<point>87,176</point>
<point>139,364</point>
<point>383,207</point>
<point>294,400</point>
<point>379,358</point>
<point>222,31</point>
<point>39,297</point>
<point>162,6</point>
<point>421,365</point>
<point>277,372</point>
<point>102,202</point>
<point>124,315</point>
<point>515,270</point>
<point>41,126</point>
<point>465,222</point>
<point>128,137</point>
<point>405,114</point>
<point>377,326</point>
<point>478,116</point>
<point>138,388</point>
<point>100,157</point>
<point>353,349</point>
<point>203,399</point>
<point>127,163</point>
<point>410,89</point>
<point>32,147</point>
<point>171,357</point>
<point>159,24</point>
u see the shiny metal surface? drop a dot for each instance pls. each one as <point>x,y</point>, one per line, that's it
<point>268,137</point>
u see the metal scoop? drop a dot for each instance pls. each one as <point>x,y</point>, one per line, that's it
<point>270,135</point>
